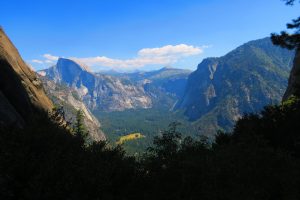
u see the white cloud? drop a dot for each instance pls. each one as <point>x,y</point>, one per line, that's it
<point>50,57</point>
<point>148,56</point>
<point>129,63</point>
<point>42,73</point>
<point>180,50</point>
<point>165,55</point>
<point>37,61</point>
<point>49,61</point>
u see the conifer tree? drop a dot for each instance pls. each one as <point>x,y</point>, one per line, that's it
<point>79,128</point>
<point>285,39</point>
<point>291,41</point>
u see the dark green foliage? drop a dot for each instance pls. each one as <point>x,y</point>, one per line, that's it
<point>286,40</point>
<point>277,124</point>
<point>290,2</point>
<point>79,128</point>
<point>258,160</point>
<point>150,122</point>
<point>46,162</point>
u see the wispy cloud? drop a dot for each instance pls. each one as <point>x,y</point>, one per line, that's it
<point>49,61</point>
<point>165,55</point>
<point>50,57</point>
<point>37,61</point>
<point>180,50</point>
<point>148,56</point>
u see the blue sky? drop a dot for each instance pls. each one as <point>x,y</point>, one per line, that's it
<point>138,34</point>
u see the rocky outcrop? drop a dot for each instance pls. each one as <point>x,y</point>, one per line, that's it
<point>294,80</point>
<point>245,80</point>
<point>98,91</point>
<point>69,99</point>
<point>164,86</point>
<point>22,95</point>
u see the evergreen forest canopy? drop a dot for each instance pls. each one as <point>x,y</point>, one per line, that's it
<point>259,159</point>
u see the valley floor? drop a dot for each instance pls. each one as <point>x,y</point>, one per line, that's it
<point>148,122</point>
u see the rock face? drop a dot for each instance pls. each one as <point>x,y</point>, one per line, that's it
<point>69,98</point>
<point>222,89</point>
<point>164,86</point>
<point>72,85</point>
<point>98,91</point>
<point>294,80</point>
<point>21,93</point>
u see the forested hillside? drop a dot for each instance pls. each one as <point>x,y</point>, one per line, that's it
<point>245,80</point>
<point>258,160</point>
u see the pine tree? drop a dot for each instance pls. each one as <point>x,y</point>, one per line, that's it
<point>291,41</point>
<point>79,128</point>
<point>285,39</point>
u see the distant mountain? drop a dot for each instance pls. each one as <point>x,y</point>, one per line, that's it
<point>68,98</point>
<point>222,89</point>
<point>213,97</point>
<point>163,73</point>
<point>22,97</point>
<point>120,91</point>
<point>98,91</point>
<point>164,86</point>
<point>171,80</point>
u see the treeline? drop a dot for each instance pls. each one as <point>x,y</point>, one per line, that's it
<point>259,159</point>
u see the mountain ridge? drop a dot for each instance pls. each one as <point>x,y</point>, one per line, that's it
<point>68,99</point>
<point>246,79</point>
<point>98,91</point>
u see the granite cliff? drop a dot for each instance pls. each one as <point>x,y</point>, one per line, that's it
<point>294,79</point>
<point>245,80</point>
<point>101,92</point>
<point>22,96</point>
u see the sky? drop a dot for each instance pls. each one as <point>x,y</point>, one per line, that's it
<point>128,35</point>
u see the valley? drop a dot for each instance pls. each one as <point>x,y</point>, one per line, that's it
<point>146,100</point>
<point>150,122</point>
<point>205,101</point>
